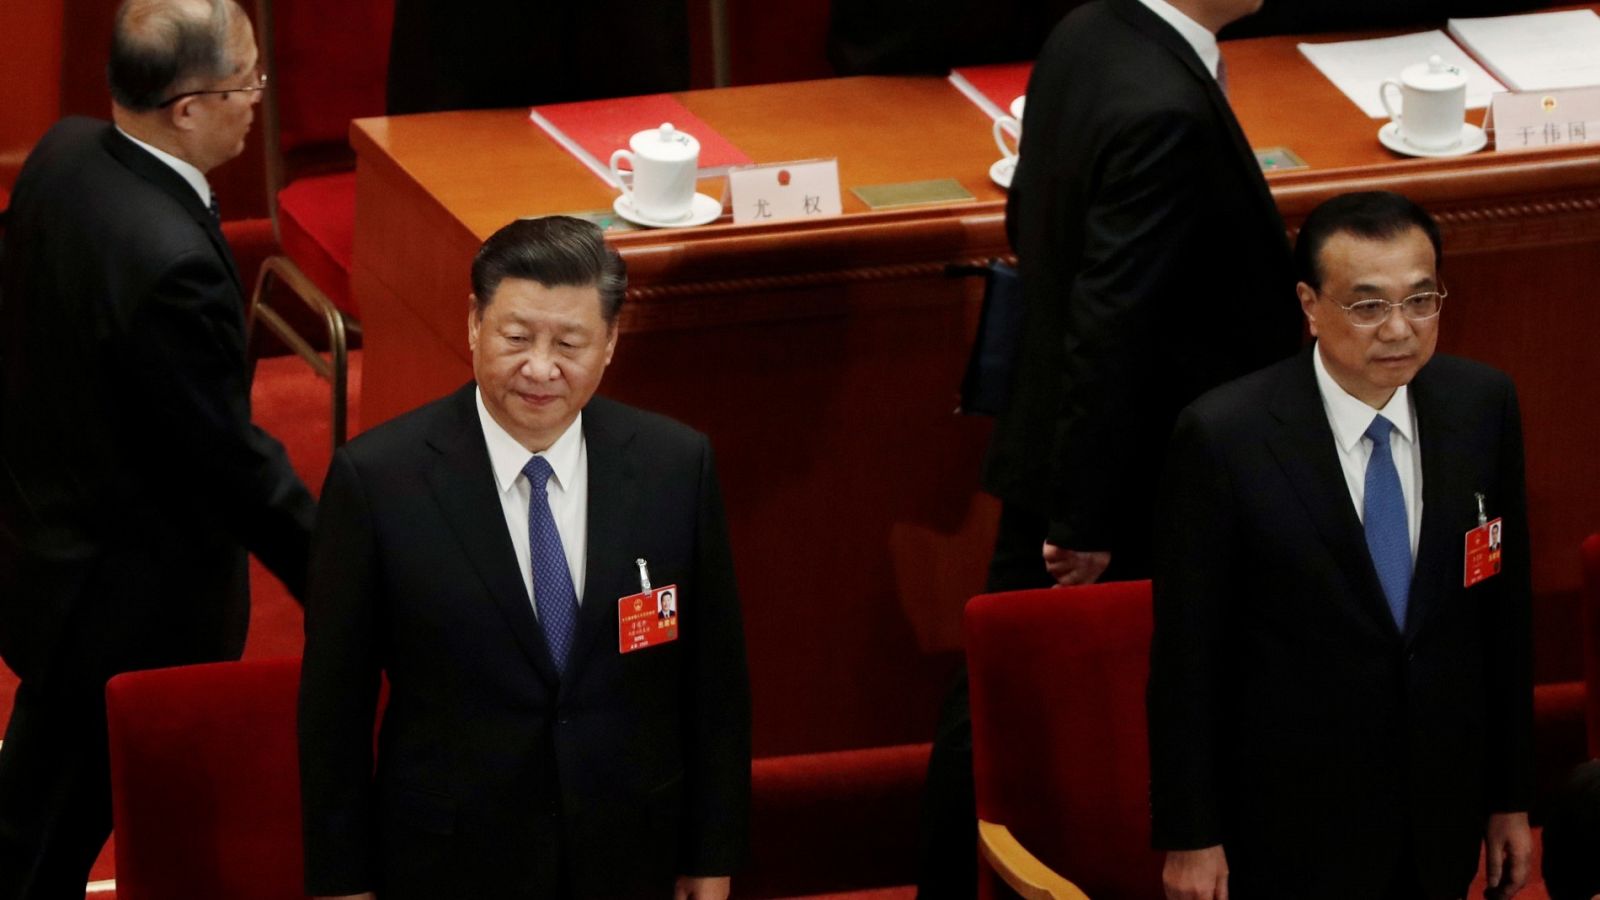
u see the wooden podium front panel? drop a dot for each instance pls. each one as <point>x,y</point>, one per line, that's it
<point>845,474</point>
<point>822,357</point>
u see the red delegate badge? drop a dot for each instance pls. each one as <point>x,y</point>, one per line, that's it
<point>1483,553</point>
<point>647,619</point>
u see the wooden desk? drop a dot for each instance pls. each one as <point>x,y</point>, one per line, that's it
<point>822,357</point>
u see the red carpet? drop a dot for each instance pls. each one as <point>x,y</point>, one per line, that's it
<point>292,404</point>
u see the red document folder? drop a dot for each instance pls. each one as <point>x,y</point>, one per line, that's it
<point>993,88</point>
<point>592,129</point>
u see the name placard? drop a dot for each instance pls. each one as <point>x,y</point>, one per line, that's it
<point>772,192</point>
<point>1535,120</point>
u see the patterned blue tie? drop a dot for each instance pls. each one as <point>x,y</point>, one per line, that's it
<point>1384,519</point>
<point>553,595</point>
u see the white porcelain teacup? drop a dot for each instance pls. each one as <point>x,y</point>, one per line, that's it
<point>1433,104</point>
<point>665,164</point>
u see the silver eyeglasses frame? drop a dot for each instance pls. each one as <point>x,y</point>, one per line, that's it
<point>1355,310</point>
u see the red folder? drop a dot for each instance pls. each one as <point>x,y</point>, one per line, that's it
<point>993,88</point>
<point>592,129</point>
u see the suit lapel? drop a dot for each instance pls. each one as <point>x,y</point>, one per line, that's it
<point>1303,444</point>
<point>1443,485</point>
<point>141,163</point>
<point>464,487</point>
<point>613,487</point>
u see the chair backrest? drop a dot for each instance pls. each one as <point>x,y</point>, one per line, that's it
<point>328,63</point>
<point>205,781</point>
<point>1059,744</point>
<point>1591,637</point>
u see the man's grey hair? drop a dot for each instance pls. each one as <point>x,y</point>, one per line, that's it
<point>160,46</point>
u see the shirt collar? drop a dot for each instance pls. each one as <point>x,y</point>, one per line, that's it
<point>1350,417</point>
<point>195,177</point>
<point>1196,35</point>
<point>507,456</point>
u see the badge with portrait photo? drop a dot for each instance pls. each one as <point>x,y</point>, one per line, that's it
<point>1482,553</point>
<point>647,618</point>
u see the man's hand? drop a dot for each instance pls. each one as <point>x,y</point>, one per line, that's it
<point>1508,854</point>
<point>1069,567</point>
<point>702,888</point>
<point>1196,874</point>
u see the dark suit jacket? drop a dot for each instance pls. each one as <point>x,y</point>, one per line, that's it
<point>1290,719</point>
<point>495,777</point>
<point>1154,266</point>
<point>132,478</point>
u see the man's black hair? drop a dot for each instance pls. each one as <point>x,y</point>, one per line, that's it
<point>553,251</point>
<point>1374,215</point>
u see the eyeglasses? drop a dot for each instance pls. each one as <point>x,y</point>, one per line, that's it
<point>260,84</point>
<point>1374,312</point>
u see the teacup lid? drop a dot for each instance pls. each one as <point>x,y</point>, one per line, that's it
<point>666,144</point>
<point>1433,75</point>
<point>1017,106</point>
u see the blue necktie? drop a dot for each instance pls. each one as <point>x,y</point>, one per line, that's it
<point>553,594</point>
<point>1384,519</point>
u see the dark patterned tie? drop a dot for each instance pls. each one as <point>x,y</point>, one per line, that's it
<point>216,211</point>
<point>1384,520</point>
<point>553,595</point>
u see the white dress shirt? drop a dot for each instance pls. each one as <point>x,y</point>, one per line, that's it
<point>567,490</point>
<point>1350,419</point>
<point>195,177</point>
<point>1198,36</point>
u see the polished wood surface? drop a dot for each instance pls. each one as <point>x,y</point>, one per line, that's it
<point>822,356</point>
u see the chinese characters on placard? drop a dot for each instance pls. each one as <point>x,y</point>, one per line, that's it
<point>1553,133</point>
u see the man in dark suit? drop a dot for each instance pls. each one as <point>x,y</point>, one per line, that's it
<point>1135,194</point>
<point>131,478</point>
<point>1154,266</point>
<point>499,555</point>
<point>1340,691</point>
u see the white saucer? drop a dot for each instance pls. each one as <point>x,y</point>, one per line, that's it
<point>1000,173</point>
<point>702,209</point>
<point>1472,140</point>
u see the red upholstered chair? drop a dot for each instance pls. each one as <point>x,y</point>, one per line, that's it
<point>1059,740</point>
<point>1591,637</point>
<point>830,823</point>
<point>327,64</point>
<point>205,781</point>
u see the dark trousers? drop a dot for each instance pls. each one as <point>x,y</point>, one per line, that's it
<point>1404,883</point>
<point>948,848</point>
<point>55,791</point>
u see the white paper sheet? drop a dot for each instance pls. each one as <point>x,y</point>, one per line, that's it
<point>1358,67</point>
<point>1536,52</point>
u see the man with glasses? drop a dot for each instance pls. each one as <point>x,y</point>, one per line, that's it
<point>131,477</point>
<point>1340,694</point>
